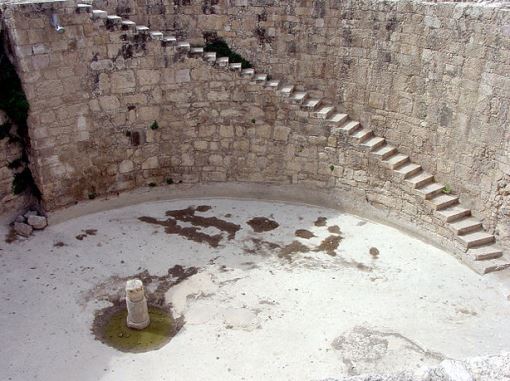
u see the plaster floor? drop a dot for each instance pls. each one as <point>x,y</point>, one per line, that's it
<point>254,309</point>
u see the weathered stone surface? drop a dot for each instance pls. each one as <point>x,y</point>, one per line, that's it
<point>37,222</point>
<point>23,229</point>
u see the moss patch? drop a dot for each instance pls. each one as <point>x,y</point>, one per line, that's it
<point>110,328</point>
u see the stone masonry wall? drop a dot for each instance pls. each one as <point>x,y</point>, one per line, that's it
<point>432,78</point>
<point>94,96</point>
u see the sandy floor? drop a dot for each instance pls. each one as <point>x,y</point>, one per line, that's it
<point>259,305</point>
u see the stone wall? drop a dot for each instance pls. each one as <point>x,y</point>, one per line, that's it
<point>432,78</point>
<point>95,94</point>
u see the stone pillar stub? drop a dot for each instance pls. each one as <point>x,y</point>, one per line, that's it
<point>138,313</point>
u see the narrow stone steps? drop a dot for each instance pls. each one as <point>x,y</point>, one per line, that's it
<point>247,73</point>
<point>142,29</point>
<point>374,143</point>
<point>443,201</point>
<point>83,8</point>
<point>260,78</point>
<point>99,14</point>
<point>483,253</point>
<point>324,113</point>
<point>430,190</point>
<point>272,84</point>
<point>311,104</point>
<point>408,170</point>
<point>419,180</point>
<point>299,97</point>
<point>173,40</point>
<point>236,66</point>
<point>287,90</point>
<point>157,36</point>
<point>210,57</point>
<point>465,225</point>
<point>475,239</point>
<point>384,152</point>
<point>396,161</point>
<point>183,45</point>
<point>351,127</point>
<point>483,267</point>
<point>222,61</point>
<point>453,213</point>
<point>196,50</point>
<point>114,19</point>
<point>338,119</point>
<point>362,135</point>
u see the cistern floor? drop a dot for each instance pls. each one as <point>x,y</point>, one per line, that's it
<point>265,290</point>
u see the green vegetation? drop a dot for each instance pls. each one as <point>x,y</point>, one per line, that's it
<point>447,189</point>
<point>223,50</point>
<point>169,181</point>
<point>253,120</point>
<point>332,167</point>
<point>154,125</point>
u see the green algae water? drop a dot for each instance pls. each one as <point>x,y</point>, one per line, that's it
<point>117,334</point>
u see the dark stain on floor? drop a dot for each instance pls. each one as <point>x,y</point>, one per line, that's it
<point>303,233</point>
<point>292,248</point>
<point>11,236</point>
<point>335,229</point>
<point>320,221</point>
<point>330,244</point>
<point>86,233</point>
<point>262,224</point>
<point>260,247</point>
<point>374,252</point>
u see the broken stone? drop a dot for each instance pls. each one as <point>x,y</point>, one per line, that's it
<point>30,213</point>
<point>23,229</point>
<point>20,218</point>
<point>37,222</point>
<point>138,313</point>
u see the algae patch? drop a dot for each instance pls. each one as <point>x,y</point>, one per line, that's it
<point>110,328</point>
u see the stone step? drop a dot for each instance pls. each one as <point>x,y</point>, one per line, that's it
<point>170,40</point>
<point>374,143</point>
<point>430,190</point>
<point>236,66</point>
<point>483,253</point>
<point>351,127</point>
<point>419,180</point>
<point>362,135</point>
<point>260,78</point>
<point>408,170</point>
<point>156,35</point>
<point>114,19</point>
<point>475,239</point>
<point>83,8</point>
<point>453,213</point>
<point>222,61</point>
<point>299,97</point>
<point>465,225</point>
<point>247,73</point>
<point>272,84</point>
<point>443,201</point>
<point>384,152</point>
<point>197,50</point>
<point>311,104</point>
<point>324,112</point>
<point>99,14</point>
<point>210,57</point>
<point>142,29</point>
<point>396,161</point>
<point>486,266</point>
<point>287,90</point>
<point>338,119</point>
<point>183,45</point>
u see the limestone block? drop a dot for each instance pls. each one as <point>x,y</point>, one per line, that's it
<point>182,75</point>
<point>126,166</point>
<point>109,103</point>
<point>123,81</point>
<point>138,312</point>
<point>226,131</point>
<point>148,77</point>
<point>281,133</point>
<point>151,163</point>
<point>37,222</point>
<point>23,229</point>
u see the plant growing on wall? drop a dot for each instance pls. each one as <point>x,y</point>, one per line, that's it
<point>154,125</point>
<point>14,103</point>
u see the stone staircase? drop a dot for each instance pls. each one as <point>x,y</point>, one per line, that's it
<point>478,248</point>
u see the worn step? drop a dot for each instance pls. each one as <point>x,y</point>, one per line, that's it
<point>374,143</point>
<point>196,50</point>
<point>419,180</point>
<point>83,8</point>
<point>465,225</point>
<point>396,161</point>
<point>236,66</point>
<point>299,97</point>
<point>210,57</point>
<point>114,19</point>
<point>156,35</point>
<point>272,84</point>
<point>287,90</point>
<point>384,152</point>
<point>259,78</point>
<point>351,127</point>
<point>483,267</point>
<point>222,61</point>
<point>324,112</point>
<point>453,213</point>
<point>483,253</point>
<point>142,29</point>
<point>247,73</point>
<point>362,135</point>
<point>408,170</point>
<point>170,40</point>
<point>475,239</point>
<point>338,119</point>
<point>99,14</point>
<point>183,45</point>
<point>311,104</point>
<point>443,201</point>
<point>430,190</point>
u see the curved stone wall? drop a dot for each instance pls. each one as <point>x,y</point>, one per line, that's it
<point>95,97</point>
